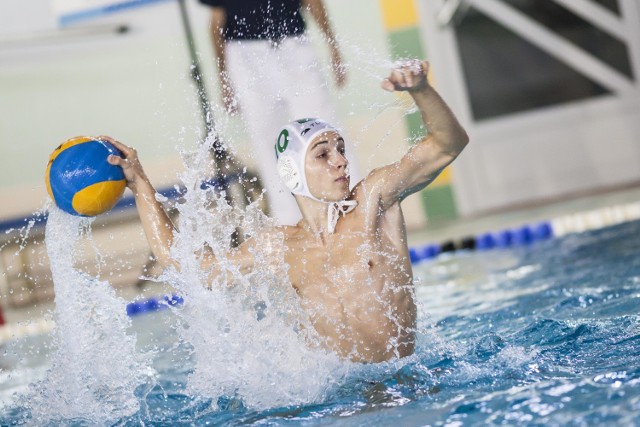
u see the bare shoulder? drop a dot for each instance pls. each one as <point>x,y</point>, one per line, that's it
<point>367,191</point>
<point>372,211</point>
<point>286,233</point>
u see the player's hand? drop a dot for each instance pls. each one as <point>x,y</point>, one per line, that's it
<point>129,162</point>
<point>410,76</point>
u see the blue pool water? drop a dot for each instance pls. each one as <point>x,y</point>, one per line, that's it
<point>545,335</point>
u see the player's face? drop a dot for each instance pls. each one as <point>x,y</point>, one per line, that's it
<point>326,167</point>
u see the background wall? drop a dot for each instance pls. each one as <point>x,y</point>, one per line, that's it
<point>548,91</point>
<point>509,77</point>
<point>89,79</point>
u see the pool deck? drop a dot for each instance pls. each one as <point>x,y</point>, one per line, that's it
<point>31,319</point>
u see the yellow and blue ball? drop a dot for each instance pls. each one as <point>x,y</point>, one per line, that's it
<point>80,180</point>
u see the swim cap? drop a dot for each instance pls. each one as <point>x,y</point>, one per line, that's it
<point>291,149</point>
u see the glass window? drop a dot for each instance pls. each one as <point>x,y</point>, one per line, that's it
<point>506,74</point>
<point>612,5</point>
<point>578,31</point>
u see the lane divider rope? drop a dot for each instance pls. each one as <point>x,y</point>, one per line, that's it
<point>136,308</point>
<point>530,233</point>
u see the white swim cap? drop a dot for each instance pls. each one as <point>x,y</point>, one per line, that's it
<point>291,149</point>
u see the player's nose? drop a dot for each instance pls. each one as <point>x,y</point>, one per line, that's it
<point>340,161</point>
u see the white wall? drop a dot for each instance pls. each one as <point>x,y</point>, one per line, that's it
<point>136,88</point>
<point>547,154</point>
<point>552,154</point>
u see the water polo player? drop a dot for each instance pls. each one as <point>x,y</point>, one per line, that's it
<point>348,256</point>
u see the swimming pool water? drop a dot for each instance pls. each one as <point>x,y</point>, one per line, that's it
<point>545,335</point>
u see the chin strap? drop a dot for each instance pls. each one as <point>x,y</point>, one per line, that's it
<point>335,209</point>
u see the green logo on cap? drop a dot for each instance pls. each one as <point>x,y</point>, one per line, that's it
<point>303,121</point>
<point>283,141</point>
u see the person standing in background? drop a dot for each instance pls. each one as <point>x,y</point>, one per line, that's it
<point>269,73</point>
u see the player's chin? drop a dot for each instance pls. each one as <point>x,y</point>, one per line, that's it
<point>343,192</point>
<point>335,196</point>
<point>341,183</point>
<point>336,191</point>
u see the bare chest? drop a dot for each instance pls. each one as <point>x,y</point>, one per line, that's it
<point>349,265</point>
<point>358,295</point>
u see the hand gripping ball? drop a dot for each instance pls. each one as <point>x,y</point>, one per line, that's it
<point>80,180</point>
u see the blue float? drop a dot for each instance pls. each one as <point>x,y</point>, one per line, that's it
<point>504,239</point>
<point>522,236</point>
<point>153,304</point>
<point>543,231</point>
<point>485,242</point>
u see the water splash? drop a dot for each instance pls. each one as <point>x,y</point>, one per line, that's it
<point>95,368</point>
<point>250,338</point>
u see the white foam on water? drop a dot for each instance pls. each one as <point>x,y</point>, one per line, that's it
<point>95,367</point>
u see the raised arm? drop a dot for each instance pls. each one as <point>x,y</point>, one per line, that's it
<point>319,14</point>
<point>157,225</point>
<point>425,160</point>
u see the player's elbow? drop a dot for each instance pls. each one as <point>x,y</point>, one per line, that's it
<point>463,139</point>
<point>453,145</point>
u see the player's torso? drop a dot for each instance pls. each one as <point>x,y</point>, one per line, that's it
<point>357,289</point>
